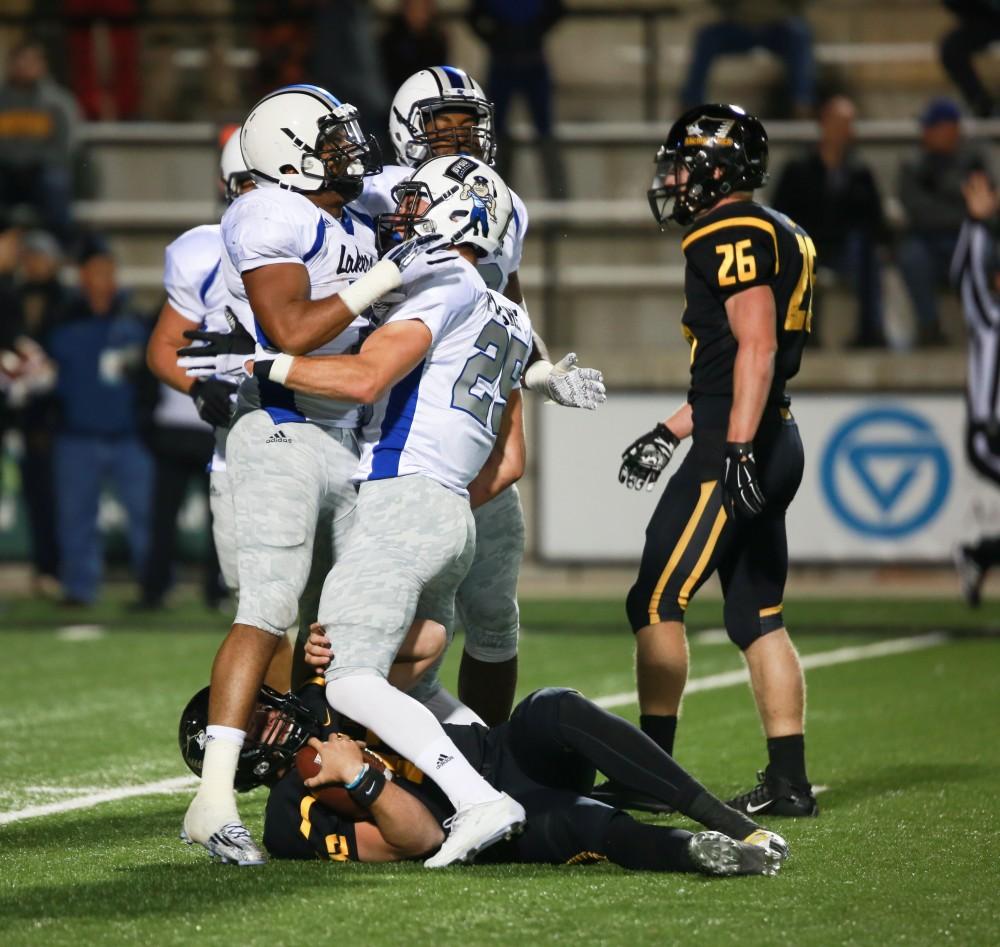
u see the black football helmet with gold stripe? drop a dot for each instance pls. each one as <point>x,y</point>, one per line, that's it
<point>723,150</point>
<point>279,726</point>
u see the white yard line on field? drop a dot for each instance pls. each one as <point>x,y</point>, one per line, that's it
<point>709,683</point>
<point>176,784</point>
<point>823,659</point>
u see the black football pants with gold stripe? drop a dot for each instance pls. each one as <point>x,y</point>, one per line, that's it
<point>691,535</point>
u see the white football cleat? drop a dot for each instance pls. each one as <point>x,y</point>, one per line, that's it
<point>716,854</point>
<point>765,838</point>
<point>229,842</point>
<point>477,827</point>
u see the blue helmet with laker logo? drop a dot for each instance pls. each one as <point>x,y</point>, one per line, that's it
<point>723,150</point>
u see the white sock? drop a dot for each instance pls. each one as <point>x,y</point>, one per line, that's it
<point>218,771</point>
<point>411,730</point>
<point>447,708</point>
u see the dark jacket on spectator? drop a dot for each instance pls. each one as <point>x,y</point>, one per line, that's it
<point>405,52</point>
<point>38,125</point>
<point>930,189</point>
<point>829,205</point>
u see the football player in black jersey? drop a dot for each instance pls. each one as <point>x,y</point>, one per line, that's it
<point>545,756</point>
<point>748,288</point>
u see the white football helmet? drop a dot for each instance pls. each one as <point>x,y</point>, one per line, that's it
<point>304,139</point>
<point>457,196</point>
<point>232,168</point>
<point>440,89</point>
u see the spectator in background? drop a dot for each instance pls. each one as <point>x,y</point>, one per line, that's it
<point>38,123</point>
<point>515,32</point>
<point>43,301</point>
<point>413,40</point>
<point>104,57</point>
<point>978,26</point>
<point>775,25</point>
<point>97,350</point>
<point>930,190</point>
<point>976,271</point>
<point>832,194</point>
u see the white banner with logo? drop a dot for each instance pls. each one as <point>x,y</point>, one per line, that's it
<point>886,479</point>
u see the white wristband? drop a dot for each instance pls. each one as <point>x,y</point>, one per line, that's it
<point>382,278</point>
<point>536,377</point>
<point>280,368</point>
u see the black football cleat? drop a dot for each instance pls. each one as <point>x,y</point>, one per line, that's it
<point>775,795</point>
<point>621,797</point>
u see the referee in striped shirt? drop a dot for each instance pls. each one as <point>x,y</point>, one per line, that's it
<point>975,270</point>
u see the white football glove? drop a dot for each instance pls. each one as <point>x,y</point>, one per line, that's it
<point>566,384</point>
<point>231,366</point>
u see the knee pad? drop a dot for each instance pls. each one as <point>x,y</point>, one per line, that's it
<point>746,623</point>
<point>492,647</point>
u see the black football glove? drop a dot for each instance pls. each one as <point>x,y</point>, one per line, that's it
<point>237,341</point>
<point>739,480</point>
<point>211,398</point>
<point>645,458</point>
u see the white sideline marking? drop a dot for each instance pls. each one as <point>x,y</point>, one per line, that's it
<point>177,784</point>
<point>709,683</point>
<point>81,633</point>
<point>823,659</point>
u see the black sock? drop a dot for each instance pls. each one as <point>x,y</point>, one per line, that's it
<point>660,729</point>
<point>716,815</point>
<point>624,753</point>
<point>787,758</point>
<point>644,847</point>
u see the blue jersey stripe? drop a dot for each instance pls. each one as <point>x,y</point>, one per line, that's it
<point>396,426</point>
<point>262,340</point>
<point>317,243</point>
<point>207,282</point>
<point>455,76</point>
<point>517,220</point>
<point>363,218</point>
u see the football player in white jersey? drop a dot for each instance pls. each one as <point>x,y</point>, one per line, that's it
<point>444,370</point>
<point>296,265</point>
<point>443,111</point>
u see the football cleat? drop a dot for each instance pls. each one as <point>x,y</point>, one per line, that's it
<point>716,854</point>
<point>764,838</point>
<point>231,845</point>
<point>621,797</point>
<point>970,575</point>
<point>478,827</point>
<point>775,795</point>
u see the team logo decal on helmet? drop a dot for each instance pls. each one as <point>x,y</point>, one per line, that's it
<point>304,139</point>
<point>426,117</point>
<point>710,151</point>
<point>465,200</point>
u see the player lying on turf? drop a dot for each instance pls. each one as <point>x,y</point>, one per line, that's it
<point>545,756</point>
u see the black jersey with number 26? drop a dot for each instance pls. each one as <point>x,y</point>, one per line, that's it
<point>728,250</point>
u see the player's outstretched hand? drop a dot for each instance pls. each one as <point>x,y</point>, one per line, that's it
<point>740,483</point>
<point>416,248</point>
<point>212,399</point>
<point>575,387</point>
<point>646,457</point>
<point>318,653</point>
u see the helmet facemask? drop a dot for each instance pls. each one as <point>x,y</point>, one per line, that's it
<point>688,193</point>
<point>477,139</point>
<point>341,157</point>
<point>413,201</point>
<point>233,185</point>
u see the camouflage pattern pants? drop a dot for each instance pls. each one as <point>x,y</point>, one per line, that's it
<point>412,542</point>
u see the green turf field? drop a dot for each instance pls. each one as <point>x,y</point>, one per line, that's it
<point>905,852</point>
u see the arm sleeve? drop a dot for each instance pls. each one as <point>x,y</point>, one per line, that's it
<point>265,237</point>
<point>734,257</point>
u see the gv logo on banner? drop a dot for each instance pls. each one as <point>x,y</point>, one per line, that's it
<point>885,472</point>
